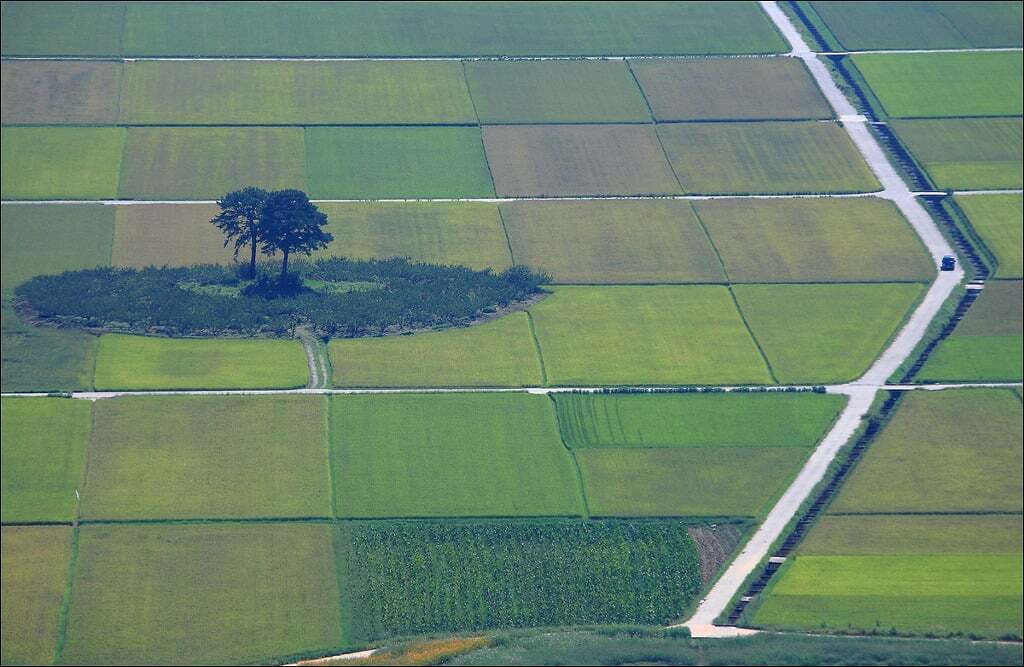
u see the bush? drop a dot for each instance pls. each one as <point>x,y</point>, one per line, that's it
<point>333,297</point>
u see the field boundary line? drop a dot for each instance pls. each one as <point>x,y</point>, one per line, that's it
<point>536,346</point>
<point>750,332</point>
<point>478,58</point>
<point>508,239</point>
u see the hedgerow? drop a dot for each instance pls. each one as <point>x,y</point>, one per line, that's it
<point>408,578</point>
<point>334,297</point>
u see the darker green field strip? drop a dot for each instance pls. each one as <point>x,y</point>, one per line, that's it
<point>687,481</point>
<point>965,153</point>
<point>920,533</point>
<point>387,29</point>
<point>694,420</point>
<point>44,359</point>
<point>921,25</point>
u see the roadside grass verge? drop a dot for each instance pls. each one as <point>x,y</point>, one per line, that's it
<point>207,457</point>
<point>44,442</point>
<point>500,353</point>
<point>420,455</point>
<point>144,362</point>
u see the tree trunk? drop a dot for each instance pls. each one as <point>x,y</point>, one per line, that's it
<point>252,256</point>
<point>284,265</point>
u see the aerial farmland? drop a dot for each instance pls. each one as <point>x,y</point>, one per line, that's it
<point>512,332</point>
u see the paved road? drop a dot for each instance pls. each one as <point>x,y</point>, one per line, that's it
<point>861,392</point>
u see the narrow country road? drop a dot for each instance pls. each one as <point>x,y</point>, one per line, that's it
<point>861,392</point>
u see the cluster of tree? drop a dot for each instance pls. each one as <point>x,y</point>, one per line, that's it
<point>269,222</point>
<point>211,300</point>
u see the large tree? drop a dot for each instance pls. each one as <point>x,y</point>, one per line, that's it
<point>240,219</point>
<point>291,223</point>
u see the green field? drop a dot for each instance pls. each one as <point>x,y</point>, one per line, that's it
<point>416,455</point>
<point>513,574</point>
<point>441,29</point>
<point>43,447</point>
<point>396,162</point>
<point>206,162</point>
<point>966,153</point>
<point>554,91</point>
<point>46,92</point>
<point>814,240</point>
<point>894,534</point>
<point>943,451</point>
<point>44,359</point>
<point>467,233</point>
<point>645,335</point>
<point>144,362</point>
<point>223,593</point>
<point>708,89</point>
<point>920,85</point>
<point>998,221</point>
<point>577,160</point>
<point>27,241</point>
<point>975,594</point>
<point>695,420</point>
<point>62,28</point>
<point>922,25</point>
<point>687,481</point>
<point>765,158</point>
<point>197,457</point>
<point>619,241</point>
<point>295,93</point>
<point>493,354</point>
<point>987,343</point>
<point>34,575</point>
<point>824,333</point>
<point>60,162</point>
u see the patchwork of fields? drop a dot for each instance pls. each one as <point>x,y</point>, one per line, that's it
<point>925,536</point>
<point>254,528</point>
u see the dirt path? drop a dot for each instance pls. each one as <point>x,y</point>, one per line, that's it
<point>861,392</point>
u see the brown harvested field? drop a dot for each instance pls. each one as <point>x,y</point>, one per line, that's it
<point>577,160</point>
<point>613,241</point>
<point>168,234</point>
<point>715,544</point>
<point>707,89</point>
<point>40,92</point>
